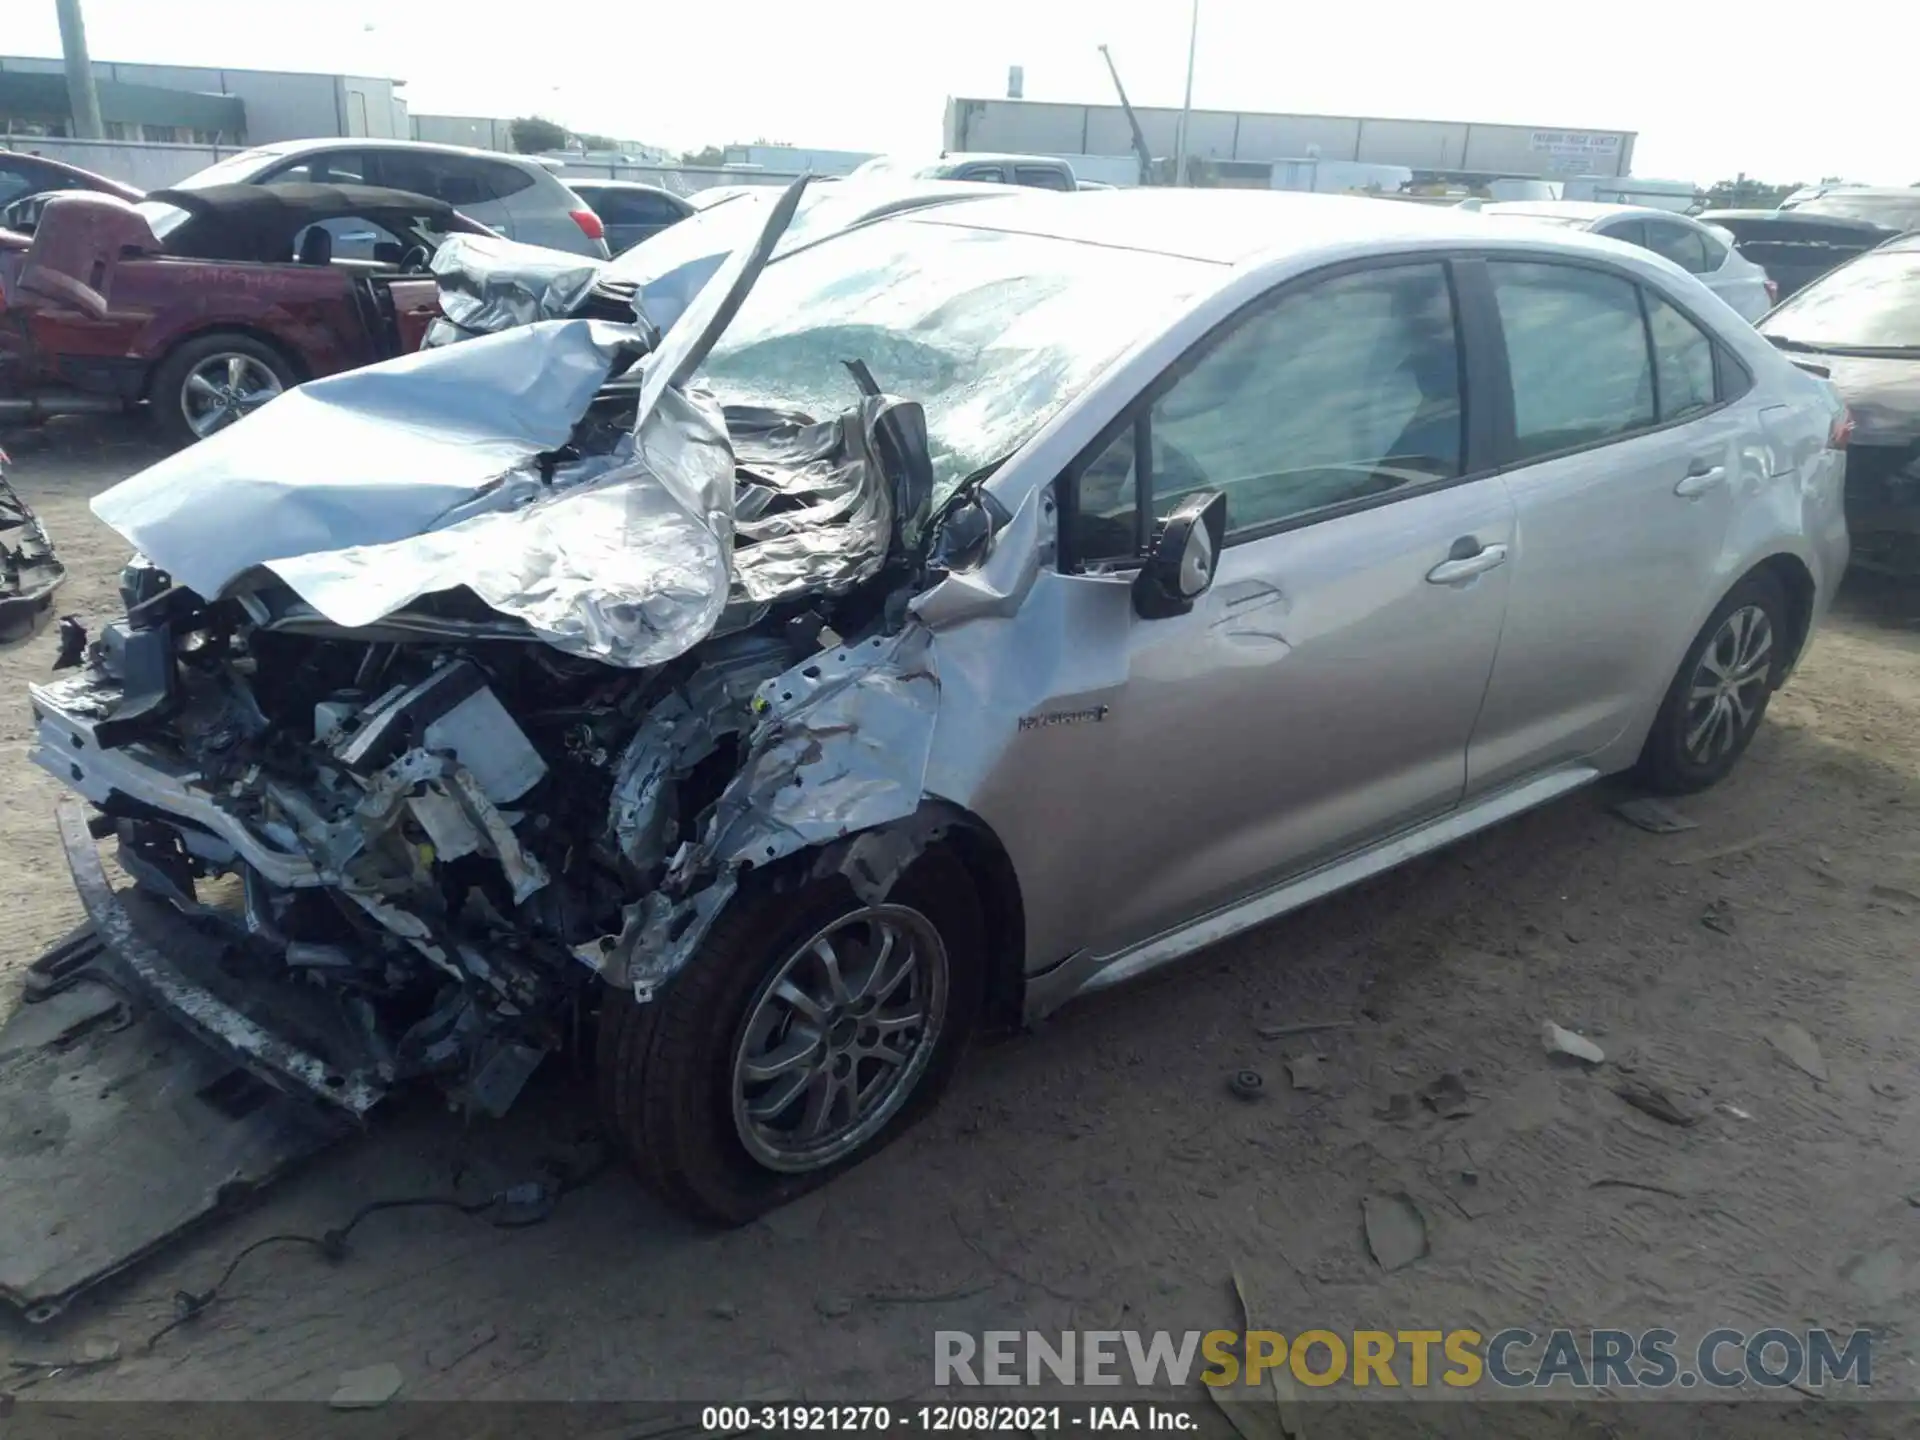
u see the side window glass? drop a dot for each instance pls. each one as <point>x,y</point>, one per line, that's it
<point>1577,352</point>
<point>1713,254</point>
<point>331,167</point>
<point>1106,524</point>
<point>1678,244</point>
<point>1339,392</point>
<point>1683,360</point>
<point>1039,177</point>
<point>656,210</point>
<point>504,180</point>
<point>13,184</point>
<point>991,173</point>
<point>1631,232</point>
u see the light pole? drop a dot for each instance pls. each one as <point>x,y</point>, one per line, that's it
<point>82,96</point>
<point>1186,106</point>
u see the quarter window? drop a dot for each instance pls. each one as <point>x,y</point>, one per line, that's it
<point>1683,360</point>
<point>1577,353</point>
<point>1678,244</point>
<point>1344,391</point>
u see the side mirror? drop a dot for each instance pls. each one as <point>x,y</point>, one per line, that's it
<point>1180,562</point>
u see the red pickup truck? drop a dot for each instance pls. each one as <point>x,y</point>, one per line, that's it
<point>205,304</point>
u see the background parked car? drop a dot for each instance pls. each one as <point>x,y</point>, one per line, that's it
<point>480,290</point>
<point>1796,247</point>
<point>630,211</point>
<point>515,195</point>
<point>208,303</point>
<point>28,181</point>
<point>1698,249</point>
<point>1032,172</point>
<point>1896,209</point>
<point>1860,325</point>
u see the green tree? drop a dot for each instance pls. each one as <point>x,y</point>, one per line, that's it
<point>532,134</point>
<point>596,142</point>
<point>1745,194</point>
<point>712,155</point>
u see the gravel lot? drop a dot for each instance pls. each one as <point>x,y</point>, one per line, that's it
<point>1099,1174</point>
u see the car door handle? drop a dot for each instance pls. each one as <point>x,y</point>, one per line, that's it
<point>1456,572</point>
<point>1698,482</point>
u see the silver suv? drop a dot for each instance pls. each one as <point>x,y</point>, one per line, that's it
<point>514,194</point>
<point>981,606</point>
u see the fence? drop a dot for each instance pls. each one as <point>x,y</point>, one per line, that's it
<point>146,164</point>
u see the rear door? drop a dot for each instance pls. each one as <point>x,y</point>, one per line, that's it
<point>1321,694</point>
<point>1623,427</point>
<point>462,181</point>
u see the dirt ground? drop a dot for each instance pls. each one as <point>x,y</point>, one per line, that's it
<point>1099,1173</point>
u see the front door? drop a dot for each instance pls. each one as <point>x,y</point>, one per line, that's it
<point>1321,694</point>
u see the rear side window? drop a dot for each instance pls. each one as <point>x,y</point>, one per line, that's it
<point>1716,252</point>
<point>1682,360</point>
<point>632,207</point>
<point>1577,352</point>
<point>329,167</point>
<point>453,179</point>
<point>1679,244</point>
<point>1630,232</point>
<point>992,173</point>
<point>505,180</point>
<point>1040,177</point>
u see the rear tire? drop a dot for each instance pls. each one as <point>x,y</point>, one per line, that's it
<point>671,1073</point>
<point>208,382</point>
<point>1719,696</point>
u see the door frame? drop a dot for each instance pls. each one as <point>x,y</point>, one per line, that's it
<point>1476,332</point>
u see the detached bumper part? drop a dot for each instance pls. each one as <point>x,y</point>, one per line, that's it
<point>211,1019</point>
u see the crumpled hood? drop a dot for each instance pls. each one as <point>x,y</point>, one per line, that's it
<point>438,472</point>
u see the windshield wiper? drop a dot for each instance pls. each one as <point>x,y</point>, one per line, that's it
<point>1869,352</point>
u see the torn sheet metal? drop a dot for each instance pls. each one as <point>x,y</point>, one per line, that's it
<point>630,568</point>
<point>365,458</point>
<point>843,499</point>
<point>488,283</point>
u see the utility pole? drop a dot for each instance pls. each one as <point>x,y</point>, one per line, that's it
<point>1186,106</point>
<point>81,92</point>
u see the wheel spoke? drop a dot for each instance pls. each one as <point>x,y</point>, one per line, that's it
<point>884,986</point>
<point>829,959</point>
<point>823,1093</point>
<point>882,955</point>
<point>779,1099</point>
<point>202,388</point>
<point>1697,736</point>
<point>236,371</point>
<point>795,1052</point>
<point>799,1000</point>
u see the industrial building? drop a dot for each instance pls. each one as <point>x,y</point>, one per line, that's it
<point>1221,144</point>
<point>199,104</point>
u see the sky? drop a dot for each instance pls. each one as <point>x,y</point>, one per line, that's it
<point>1711,89</point>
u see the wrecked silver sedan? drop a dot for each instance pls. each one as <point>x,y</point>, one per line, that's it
<point>977,607</point>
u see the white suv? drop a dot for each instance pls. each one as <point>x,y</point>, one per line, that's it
<point>514,194</point>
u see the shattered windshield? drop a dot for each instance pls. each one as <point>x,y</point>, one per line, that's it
<point>991,331</point>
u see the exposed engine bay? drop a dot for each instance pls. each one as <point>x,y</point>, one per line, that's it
<point>437,785</point>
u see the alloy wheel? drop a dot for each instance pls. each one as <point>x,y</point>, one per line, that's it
<point>1729,684</point>
<point>223,388</point>
<point>838,1037</point>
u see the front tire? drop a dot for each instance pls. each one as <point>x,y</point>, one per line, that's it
<point>1719,696</point>
<point>210,381</point>
<point>808,1033</point>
